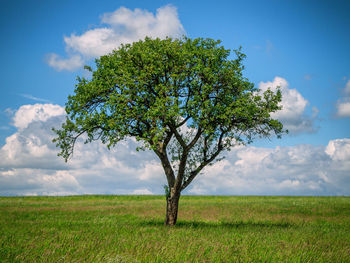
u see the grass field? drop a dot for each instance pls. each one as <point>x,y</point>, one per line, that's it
<point>210,229</point>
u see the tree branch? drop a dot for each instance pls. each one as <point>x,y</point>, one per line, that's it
<point>169,173</point>
<point>177,136</point>
<point>194,173</point>
<point>167,140</point>
<point>195,139</point>
<point>183,122</point>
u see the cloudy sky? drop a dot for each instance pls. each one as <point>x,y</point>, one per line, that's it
<point>301,46</point>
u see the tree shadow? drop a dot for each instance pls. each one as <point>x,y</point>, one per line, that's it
<point>202,224</point>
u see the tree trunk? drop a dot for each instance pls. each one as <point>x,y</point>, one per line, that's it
<point>172,205</point>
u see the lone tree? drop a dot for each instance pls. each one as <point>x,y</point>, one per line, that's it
<point>185,99</point>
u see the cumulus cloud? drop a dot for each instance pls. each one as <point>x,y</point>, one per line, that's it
<point>120,27</point>
<point>339,151</point>
<point>293,114</point>
<point>28,181</point>
<point>27,114</point>
<point>343,104</point>
<point>29,165</point>
<point>297,170</point>
<point>58,63</point>
<point>343,108</point>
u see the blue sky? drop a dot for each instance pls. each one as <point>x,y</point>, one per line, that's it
<point>302,46</point>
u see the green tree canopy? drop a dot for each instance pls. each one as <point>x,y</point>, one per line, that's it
<point>185,99</point>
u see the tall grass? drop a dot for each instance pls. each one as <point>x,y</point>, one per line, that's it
<point>209,229</point>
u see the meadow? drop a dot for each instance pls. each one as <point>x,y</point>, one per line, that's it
<point>209,229</point>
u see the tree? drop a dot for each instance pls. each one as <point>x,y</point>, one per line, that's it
<point>182,98</point>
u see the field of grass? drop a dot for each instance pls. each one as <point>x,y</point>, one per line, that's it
<point>209,229</point>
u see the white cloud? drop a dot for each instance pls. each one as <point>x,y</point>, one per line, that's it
<point>122,26</point>
<point>31,146</point>
<point>26,114</point>
<point>343,104</point>
<point>28,181</point>
<point>28,96</point>
<point>343,108</point>
<point>72,63</point>
<point>143,191</point>
<point>152,171</point>
<point>29,163</point>
<point>29,166</point>
<point>298,170</point>
<point>93,43</point>
<point>294,105</point>
<point>141,23</point>
<point>339,150</point>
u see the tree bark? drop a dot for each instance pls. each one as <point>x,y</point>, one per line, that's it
<point>172,206</point>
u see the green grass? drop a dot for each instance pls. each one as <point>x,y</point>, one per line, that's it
<point>210,229</point>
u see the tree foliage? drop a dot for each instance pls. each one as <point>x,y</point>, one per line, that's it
<point>185,99</point>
